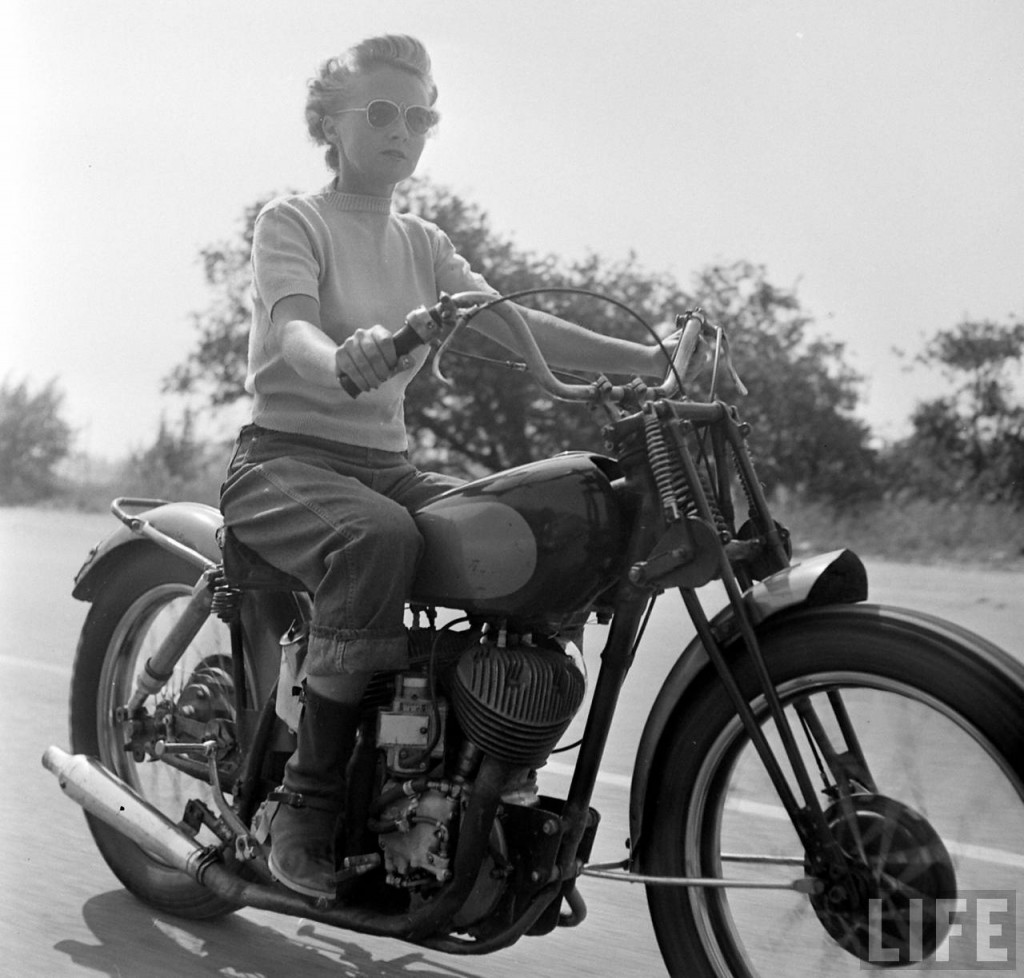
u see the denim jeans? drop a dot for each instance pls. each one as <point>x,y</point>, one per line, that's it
<point>338,518</point>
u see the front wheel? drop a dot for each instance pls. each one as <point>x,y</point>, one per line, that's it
<point>935,815</point>
<point>134,610</point>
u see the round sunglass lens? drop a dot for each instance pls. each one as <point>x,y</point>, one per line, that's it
<point>381,114</point>
<point>419,119</point>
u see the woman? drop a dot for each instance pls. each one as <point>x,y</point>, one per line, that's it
<point>320,484</point>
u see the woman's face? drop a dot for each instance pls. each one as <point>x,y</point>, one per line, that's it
<point>372,161</point>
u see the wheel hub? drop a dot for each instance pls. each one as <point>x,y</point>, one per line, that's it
<point>898,868</point>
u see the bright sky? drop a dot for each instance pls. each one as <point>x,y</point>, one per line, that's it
<point>870,153</point>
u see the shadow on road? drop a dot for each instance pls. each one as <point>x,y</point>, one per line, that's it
<point>132,939</point>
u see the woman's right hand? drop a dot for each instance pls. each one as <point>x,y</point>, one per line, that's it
<point>367,358</point>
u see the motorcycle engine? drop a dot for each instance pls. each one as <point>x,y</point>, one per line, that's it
<point>516,702</point>
<point>513,703</point>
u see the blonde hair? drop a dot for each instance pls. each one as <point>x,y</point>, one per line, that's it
<point>327,92</point>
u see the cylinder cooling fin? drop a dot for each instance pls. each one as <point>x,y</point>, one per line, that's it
<point>515,703</point>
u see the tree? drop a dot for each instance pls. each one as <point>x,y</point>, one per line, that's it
<point>33,439</point>
<point>178,465</point>
<point>216,367</point>
<point>970,440</point>
<point>802,394</point>
<point>493,417</point>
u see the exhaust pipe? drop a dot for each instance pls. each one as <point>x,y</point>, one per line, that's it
<point>103,794</point>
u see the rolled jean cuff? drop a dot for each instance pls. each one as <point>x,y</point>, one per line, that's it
<point>338,650</point>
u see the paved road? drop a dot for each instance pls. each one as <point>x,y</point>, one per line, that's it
<point>62,913</point>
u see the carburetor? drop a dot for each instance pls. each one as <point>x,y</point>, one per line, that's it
<point>411,733</point>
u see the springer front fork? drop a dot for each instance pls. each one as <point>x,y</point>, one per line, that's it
<point>686,546</point>
<point>847,767</point>
<point>842,766</point>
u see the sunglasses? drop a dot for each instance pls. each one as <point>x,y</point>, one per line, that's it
<point>381,113</point>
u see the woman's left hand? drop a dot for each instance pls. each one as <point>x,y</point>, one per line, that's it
<point>700,356</point>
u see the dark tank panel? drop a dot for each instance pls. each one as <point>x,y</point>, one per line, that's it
<point>528,542</point>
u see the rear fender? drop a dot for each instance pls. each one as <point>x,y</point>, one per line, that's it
<point>833,578</point>
<point>190,527</point>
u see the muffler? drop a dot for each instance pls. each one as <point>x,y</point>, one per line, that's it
<point>103,794</point>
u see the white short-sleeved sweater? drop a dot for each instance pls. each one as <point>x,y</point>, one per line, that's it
<point>365,264</point>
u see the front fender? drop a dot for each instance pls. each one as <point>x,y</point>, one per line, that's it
<point>833,578</point>
<point>193,526</point>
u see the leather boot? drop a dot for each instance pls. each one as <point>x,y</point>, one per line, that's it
<point>312,798</point>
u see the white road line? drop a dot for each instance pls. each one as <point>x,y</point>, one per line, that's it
<point>963,850</point>
<point>566,770</point>
<point>985,854</point>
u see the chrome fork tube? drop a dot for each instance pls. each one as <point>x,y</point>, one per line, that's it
<point>160,666</point>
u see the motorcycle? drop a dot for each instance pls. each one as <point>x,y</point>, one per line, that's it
<point>818,778</point>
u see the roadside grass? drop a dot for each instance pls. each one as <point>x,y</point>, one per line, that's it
<point>96,496</point>
<point>910,530</point>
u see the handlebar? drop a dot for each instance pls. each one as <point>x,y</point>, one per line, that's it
<point>434,324</point>
<point>427,324</point>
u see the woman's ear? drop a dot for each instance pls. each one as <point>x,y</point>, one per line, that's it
<point>327,124</point>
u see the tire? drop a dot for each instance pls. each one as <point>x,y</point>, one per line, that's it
<point>132,610</point>
<point>944,740</point>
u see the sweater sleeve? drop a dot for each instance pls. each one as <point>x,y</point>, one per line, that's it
<point>452,271</point>
<point>284,259</point>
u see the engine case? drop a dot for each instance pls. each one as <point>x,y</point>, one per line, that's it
<point>417,850</point>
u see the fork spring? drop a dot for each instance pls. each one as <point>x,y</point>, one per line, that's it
<point>660,459</point>
<point>671,478</point>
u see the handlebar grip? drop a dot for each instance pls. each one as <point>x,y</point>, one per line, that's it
<point>347,385</point>
<point>406,340</point>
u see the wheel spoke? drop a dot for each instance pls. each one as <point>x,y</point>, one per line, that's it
<point>899,866</point>
<point>136,607</point>
<point>139,634</point>
<point>728,857</point>
<point>906,754</point>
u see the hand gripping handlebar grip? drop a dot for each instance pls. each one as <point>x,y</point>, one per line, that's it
<point>406,340</point>
<point>421,326</point>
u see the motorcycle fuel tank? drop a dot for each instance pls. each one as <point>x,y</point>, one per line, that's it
<point>538,540</point>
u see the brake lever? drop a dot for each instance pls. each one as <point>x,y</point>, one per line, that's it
<point>723,354</point>
<point>446,342</point>
<point>686,367</point>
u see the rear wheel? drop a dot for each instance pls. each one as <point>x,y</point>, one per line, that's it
<point>131,614</point>
<point>939,809</point>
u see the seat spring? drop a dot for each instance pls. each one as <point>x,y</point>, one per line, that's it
<point>227,599</point>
